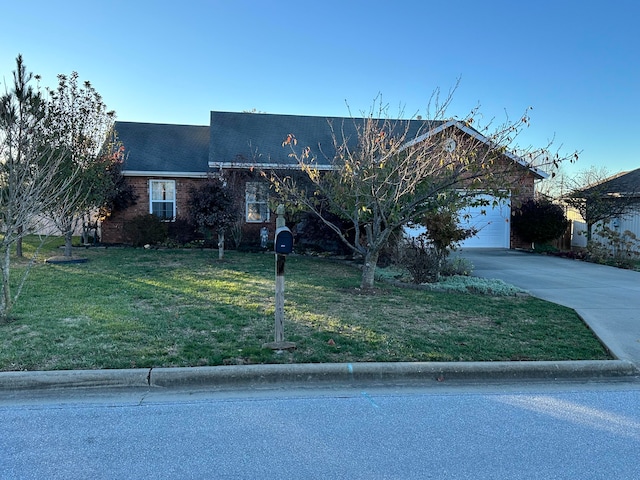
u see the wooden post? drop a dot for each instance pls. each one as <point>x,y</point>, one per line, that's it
<point>279,325</point>
<point>278,338</point>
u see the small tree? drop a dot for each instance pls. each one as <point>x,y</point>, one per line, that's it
<point>539,221</point>
<point>235,182</point>
<point>78,121</point>
<point>211,208</point>
<point>29,183</point>
<point>443,234</point>
<point>387,173</point>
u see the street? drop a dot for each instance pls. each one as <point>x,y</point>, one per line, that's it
<point>501,431</point>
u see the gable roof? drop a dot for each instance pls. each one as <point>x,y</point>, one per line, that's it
<point>621,184</point>
<point>248,140</point>
<point>163,149</point>
<point>255,139</point>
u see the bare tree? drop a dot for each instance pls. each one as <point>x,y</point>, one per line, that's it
<point>595,194</point>
<point>28,184</point>
<point>387,173</point>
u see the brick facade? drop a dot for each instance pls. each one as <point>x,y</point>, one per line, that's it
<point>112,229</point>
<point>517,179</point>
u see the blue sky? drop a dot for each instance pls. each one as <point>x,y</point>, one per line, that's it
<point>575,62</point>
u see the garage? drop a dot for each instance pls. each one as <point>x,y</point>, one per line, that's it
<point>492,223</point>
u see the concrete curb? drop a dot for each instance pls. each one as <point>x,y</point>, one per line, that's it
<point>73,379</point>
<point>310,374</point>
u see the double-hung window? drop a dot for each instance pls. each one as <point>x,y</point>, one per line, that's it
<point>256,201</point>
<point>162,199</point>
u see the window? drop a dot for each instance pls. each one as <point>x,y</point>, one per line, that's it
<point>162,198</point>
<point>256,196</point>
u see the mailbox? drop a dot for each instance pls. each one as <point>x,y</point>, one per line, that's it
<point>283,241</point>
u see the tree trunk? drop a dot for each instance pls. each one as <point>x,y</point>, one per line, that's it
<point>5,301</point>
<point>221,245</point>
<point>68,244</point>
<point>19,243</point>
<point>589,231</point>
<point>369,270</point>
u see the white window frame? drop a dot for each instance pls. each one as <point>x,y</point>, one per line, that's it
<point>256,202</point>
<point>166,198</point>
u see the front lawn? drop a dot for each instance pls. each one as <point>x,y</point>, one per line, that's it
<point>128,308</point>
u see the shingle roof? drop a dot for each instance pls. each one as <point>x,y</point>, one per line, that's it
<point>244,140</point>
<point>153,147</point>
<point>256,138</point>
<point>623,183</point>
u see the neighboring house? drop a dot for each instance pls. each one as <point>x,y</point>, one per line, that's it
<point>619,197</point>
<point>164,161</point>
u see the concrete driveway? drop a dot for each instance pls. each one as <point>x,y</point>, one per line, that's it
<point>607,298</point>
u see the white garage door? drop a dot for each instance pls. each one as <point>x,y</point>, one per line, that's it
<point>492,222</point>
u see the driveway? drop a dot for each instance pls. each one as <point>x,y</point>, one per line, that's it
<point>607,298</point>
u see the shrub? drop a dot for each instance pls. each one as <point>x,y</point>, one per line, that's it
<point>444,231</point>
<point>545,248</point>
<point>145,229</point>
<point>457,266</point>
<point>421,259</point>
<point>313,234</point>
<point>612,247</point>
<point>181,232</point>
<point>425,256</point>
<point>539,221</point>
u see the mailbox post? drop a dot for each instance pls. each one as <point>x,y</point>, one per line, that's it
<point>283,245</point>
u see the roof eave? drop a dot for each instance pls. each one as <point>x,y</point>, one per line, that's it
<point>481,138</point>
<point>269,166</point>
<point>150,173</point>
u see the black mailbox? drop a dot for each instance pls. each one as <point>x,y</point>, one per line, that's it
<point>283,241</point>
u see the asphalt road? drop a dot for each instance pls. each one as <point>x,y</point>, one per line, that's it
<point>530,431</point>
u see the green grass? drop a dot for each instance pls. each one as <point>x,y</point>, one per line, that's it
<point>128,308</point>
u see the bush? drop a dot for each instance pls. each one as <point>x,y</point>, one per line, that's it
<point>422,260</point>
<point>425,256</point>
<point>182,232</point>
<point>145,229</point>
<point>457,266</point>
<point>539,221</point>
<point>611,247</point>
<point>314,235</point>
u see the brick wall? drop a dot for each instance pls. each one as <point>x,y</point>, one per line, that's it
<point>112,228</point>
<point>521,183</point>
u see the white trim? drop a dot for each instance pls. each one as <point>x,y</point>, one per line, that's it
<point>271,166</point>
<point>173,201</point>
<point>434,131</point>
<point>478,136</point>
<point>265,202</point>
<point>144,173</point>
